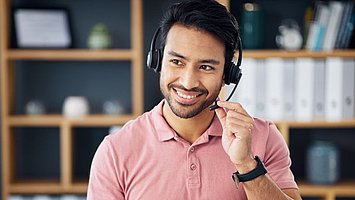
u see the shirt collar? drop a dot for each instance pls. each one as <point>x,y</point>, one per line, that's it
<point>165,132</point>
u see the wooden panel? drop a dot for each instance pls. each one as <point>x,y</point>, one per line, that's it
<point>57,120</point>
<point>262,54</point>
<point>66,160</point>
<point>344,189</point>
<point>65,54</point>
<point>319,124</point>
<point>137,63</point>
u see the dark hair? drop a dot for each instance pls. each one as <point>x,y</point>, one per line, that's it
<point>205,15</point>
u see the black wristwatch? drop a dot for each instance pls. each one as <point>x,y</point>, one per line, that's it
<point>258,171</point>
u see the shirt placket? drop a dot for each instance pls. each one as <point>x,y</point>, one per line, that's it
<point>193,168</point>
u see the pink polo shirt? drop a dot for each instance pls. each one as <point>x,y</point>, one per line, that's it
<point>147,160</point>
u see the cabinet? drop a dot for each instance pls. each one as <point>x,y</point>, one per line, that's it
<point>66,182</point>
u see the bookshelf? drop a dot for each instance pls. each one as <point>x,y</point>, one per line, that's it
<point>66,183</point>
<point>262,54</point>
<point>344,188</point>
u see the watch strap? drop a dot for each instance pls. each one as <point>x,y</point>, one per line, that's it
<point>256,172</point>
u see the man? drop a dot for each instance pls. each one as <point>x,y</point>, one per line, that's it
<point>181,149</point>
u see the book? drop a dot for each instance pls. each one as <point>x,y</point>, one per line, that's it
<point>322,18</point>
<point>336,9</point>
<point>348,7</point>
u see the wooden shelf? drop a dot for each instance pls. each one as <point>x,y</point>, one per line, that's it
<point>262,54</point>
<point>69,54</point>
<point>35,187</point>
<point>344,189</point>
<point>318,124</point>
<point>58,120</point>
<point>46,187</point>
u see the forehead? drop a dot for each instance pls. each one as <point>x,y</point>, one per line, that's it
<point>190,40</point>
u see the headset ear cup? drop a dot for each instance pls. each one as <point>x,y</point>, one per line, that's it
<point>154,60</point>
<point>159,58</point>
<point>236,74</point>
<point>149,59</point>
<point>232,74</point>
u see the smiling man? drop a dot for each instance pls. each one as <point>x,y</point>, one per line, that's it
<point>181,149</point>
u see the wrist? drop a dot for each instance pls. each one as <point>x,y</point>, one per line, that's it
<point>250,175</point>
<point>247,165</point>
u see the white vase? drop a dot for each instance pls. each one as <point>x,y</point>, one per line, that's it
<point>42,197</point>
<point>113,107</point>
<point>75,106</point>
<point>35,107</point>
<point>69,197</point>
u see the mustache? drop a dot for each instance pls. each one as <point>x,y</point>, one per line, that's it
<point>195,89</point>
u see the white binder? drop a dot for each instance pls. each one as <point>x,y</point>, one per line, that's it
<point>274,88</point>
<point>260,89</point>
<point>340,88</point>
<point>319,89</point>
<point>288,89</point>
<point>304,88</point>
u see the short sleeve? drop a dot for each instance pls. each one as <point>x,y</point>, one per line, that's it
<point>103,181</point>
<point>277,159</point>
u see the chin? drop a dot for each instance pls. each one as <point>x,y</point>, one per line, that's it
<point>188,111</point>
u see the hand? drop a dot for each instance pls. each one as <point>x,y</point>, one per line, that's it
<point>238,127</point>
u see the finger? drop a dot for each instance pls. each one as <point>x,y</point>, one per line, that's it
<point>233,106</point>
<point>238,130</point>
<point>237,122</point>
<point>222,115</point>
<point>236,115</point>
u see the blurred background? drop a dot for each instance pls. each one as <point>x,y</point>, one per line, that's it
<point>74,71</point>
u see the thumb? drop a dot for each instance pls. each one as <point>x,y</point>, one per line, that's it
<point>221,114</point>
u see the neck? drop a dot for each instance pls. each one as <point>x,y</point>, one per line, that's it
<point>189,129</point>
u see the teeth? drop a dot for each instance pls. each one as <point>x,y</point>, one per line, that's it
<point>185,96</point>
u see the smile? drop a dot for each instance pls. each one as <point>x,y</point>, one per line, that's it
<point>185,96</point>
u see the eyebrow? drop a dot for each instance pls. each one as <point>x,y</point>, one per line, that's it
<point>210,61</point>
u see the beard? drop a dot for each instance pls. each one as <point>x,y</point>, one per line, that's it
<point>186,111</point>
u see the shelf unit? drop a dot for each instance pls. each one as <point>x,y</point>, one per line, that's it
<point>329,192</point>
<point>67,183</point>
<point>326,192</point>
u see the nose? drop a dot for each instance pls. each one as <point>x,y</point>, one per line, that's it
<point>189,78</point>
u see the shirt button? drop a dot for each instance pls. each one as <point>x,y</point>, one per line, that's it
<point>192,167</point>
<point>192,149</point>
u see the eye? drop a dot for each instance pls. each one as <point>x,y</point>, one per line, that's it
<point>176,62</point>
<point>207,68</point>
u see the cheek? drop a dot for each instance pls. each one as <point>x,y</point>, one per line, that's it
<point>213,84</point>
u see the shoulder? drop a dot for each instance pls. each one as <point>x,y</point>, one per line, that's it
<point>133,129</point>
<point>267,138</point>
<point>265,128</point>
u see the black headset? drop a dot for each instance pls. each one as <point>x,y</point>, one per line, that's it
<point>232,72</point>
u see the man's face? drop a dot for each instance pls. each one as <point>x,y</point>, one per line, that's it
<point>192,70</point>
